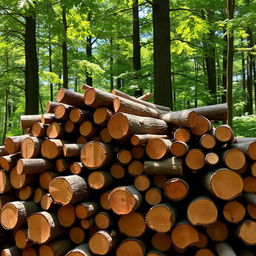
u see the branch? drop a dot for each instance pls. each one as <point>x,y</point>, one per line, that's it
<point>184,41</point>
<point>150,2</point>
<point>252,49</point>
<point>184,9</point>
<point>189,77</point>
<point>128,9</point>
<point>11,15</point>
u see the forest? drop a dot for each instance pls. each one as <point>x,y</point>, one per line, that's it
<point>184,52</point>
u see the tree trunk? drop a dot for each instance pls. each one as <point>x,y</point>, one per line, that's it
<point>243,77</point>
<point>162,58</point>
<point>31,66</point>
<point>111,64</point>
<point>254,83</point>
<point>6,113</point>
<point>64,48</point>
<point>50,68</point>
<point>224,67</point>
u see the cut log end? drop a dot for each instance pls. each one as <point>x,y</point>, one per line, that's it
<point>224,133</point>
<point>217,231</point>
<point>179,148</point>
<point>234,211</point>
<point>247,232</point>
<point>153,196</point>
<point>203,126</point>
<point>157,148</point>
<point>118,126</point>
<point>182,134</point>
<point>195,159</point>
<point>234,159</point>
<point>176,189</point>
<point>211,159</point>
<point>131,247</point>
<point>161,241</point>
<point>66,215</point>
<point>207,141</point>
<point>9,216</point>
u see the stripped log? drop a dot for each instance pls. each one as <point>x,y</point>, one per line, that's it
<point>27,121</point>
<point>71,98</point>
<point>224,249</point>
<point>146,96</point>
<point>31,147</point>
<point>13,144</point>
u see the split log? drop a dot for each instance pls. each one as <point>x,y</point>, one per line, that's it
<point>68,189</point>
<point>77,235</point>
<point>117,170</point>
<point>176,189</point>
<point>158,148</point>
<point>80,250</point>
<point>88,129</point>
<point>39,129</point>
<point>77,168</point>
<point>8,162</point>
<point>182,134</point>
<point>124,156</point>
<point>234,211</point>
<point>202,126</point>
<point>224,249</point>
<point>5,184</point>
<point>66,215</point>
<point>77,115</point>
<point>21,239</point>
<point>135,168</point>
<point>234,159</point>
<point>55,130</point>
<point>71,98</point>
<point>207,141</point>
<point>224,134</point>
<point>99,180</point>
<point>211,159</point>
<point>13,144</point>
<point>52,148</point>
<point>161,241</point>
<point>48,118</point>
<point>153,196</point>
<point>179,148</point>
<point>122,125</point>
<point>217,231</point>
<point>131,246</point>
<point>103,220</point>
<point>102,115</point>
<point>27,121</point>
<point>57,248</point>
<point>86,210</point>
<point>72,150</point>
<point>140,139</point>
<point>31,147</point>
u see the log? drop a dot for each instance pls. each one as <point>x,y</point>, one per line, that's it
<point>55,130</point>
<point>8,162</point>
<point>99,180</point>
<point>72,150</point>
<point>85,87</point>
<point>61,112</point>
<point>160,180</point>
<point>27,121</point>
<point>38,193</point>
<point>248,148</point>
<point>124,200</point>
<point>224,249</point>
<point>211,159</point>
<point>171,166</point>
<point>34,165</point>
<point>31,147</point>
<point>3,151</point>
<point>153,196</point>
<point>252,169</point>
<point>80,250</point>
<point>20,180</point>
<point>204,252</point>
<point>207,141</point>
<point>86,210</point>
<point>68,189</point>
<point>4,199</point>
<point>202,126</point>
<point>57,247</point>
<point>117,170</point>
<point>234,159</point>
<point>11,251</point>
<point>43,227</point>
<point>77,168</point>
<point>140,139</point>
<point>182,134</point>
<point>142,183</point>
<point>246,231</point>
<point>155,253</point>
<point>14,214</point>
<point>39,129</point>
<point>66,215</point>
<point>70,127</point>
<point>122,125</point>
<point>249,184</point>
<point>88,129</point>
<point>50,106</point>
<point>52,148</point>
<point>103,220</point>
<point>224,134</point>
<point>131,246</point>
<point>71,98</point>
<point>161,217</point>
<point>96,155</point>
<point>179,148</point>
<point>48,118</point>
<point>138,152</point>
<point>146,96</point>
<point>132,225</point>
<point>77,115</point>
<point>87,223</point>
<point>102,115</point>
<point>203,241</point>
<point>202,211</point>
<point>21,239</point>
<point>135,168</point>
<point>218,181</point>
<point>158,148</point>
<point>161,241</point>
<point>25,193</point>
<point>124,156</point>
<point>47,203</point>
<point>195,159</point>
<point>5,184</point>
<point>13,144</point>
<point>104,203</point>
<point>105,136</point>
<point>77,235</point>
<point>81,139</point>
<point>45,178</point>
<point>217,231</point>
<point>176,189</point>
<point>251,210</point>
<point>234,211</point>
<point>30,252</point>
<point>63,164</point>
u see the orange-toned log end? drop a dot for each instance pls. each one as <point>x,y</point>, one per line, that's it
<point>247,231</point>
<point>103,220</point>
<point>21,239</point>
<point>160,180</point>
<point>203,126</point>
<point>66,215</point>
<point>77,235</point>
<point>212,159</point>
<point>90,96</point>
<point>39,129</point>
<point>138,152</point>
<point>179,148</point>
<point>224,133</point>
<point>253,169</point>
<point>30,147</point>
<point>203,241</point>
<point>29,252</point>
<point>5,184</point>
<point>252,150</point>
<point>132,225</point>
<point>192,119</point>
<point>204,252</point>
<point>104,203</point>
<point>56,247</point>
<point>51,149</point>
<point>87,223</point>
<point>105,136</point>
<point>87,128</point>
<point>117,170</point>
<point>195,159</point>
<point>251,210</point>
<point>135,168</point>
<point>46,202</point>
<point>124,156</point>
<point>234,211</point>
<point>157,148</point>
<point>124,200</point>
<point>55,130</point>
<point>153,196</point>
<point>161,241</point>
<point>224,179</point>
<point>99,180</point>
<point>131,247</point>
<point>38,193</point>
<point>142,182</point>
<point>202,211</point>
<point>234,159</point>
<point>160,218</point>
<point>102,115</point>
<point>118,126</point>
<point>250,184</point>
<point>182,134</point>
<point>207,141</point>
<point>45,179</point>
<point>176,189</point>
<point>217,231</point>
<point>184,235</point>
<point>80,250</point>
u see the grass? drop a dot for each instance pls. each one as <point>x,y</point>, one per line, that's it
<point>245,126</point>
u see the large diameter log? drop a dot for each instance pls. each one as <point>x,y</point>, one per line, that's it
<point>21,239</point>
<point>80,250</point>
<point>224,134</point>
<point>224,249</point>
<point>217,231</point>
<point>171,166</point>
<point>130,247</point>
<point>43,227</point>
<point>176,189</point>
<point>122,125</point>
<point>9,161</point>
<point>27,121</point>
<point>248,148</point>
<point>158,148</point>
<point>161,241</point>
<point>52,148</point>
<point>57,248</point>
<point>96,155</point>
<point>5,184</point>
<point>202,126</point>
<point>39,129</point>
<point>161,217</point>
<point>34,165</point>
<point>13,144</point>
<point>66,215</point>
<point>218,181</point>
<point>234,211</point>
<point>140,139</point>
<point>234,159</point>
<point>71,98</point>
<point>124,200</point>
<point>68,189</point>
<point>14,214</point>
<point>31,147</point>
<point>182,118</point>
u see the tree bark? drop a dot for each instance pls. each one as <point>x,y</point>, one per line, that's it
<point>89,54</point>
<point>64,48</point>
<point>50,67</point>
<point>224,67</point>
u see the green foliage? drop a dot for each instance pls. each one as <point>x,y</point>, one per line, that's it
<point>244,126</point>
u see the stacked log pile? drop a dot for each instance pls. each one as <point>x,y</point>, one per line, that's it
<point>108,174</point>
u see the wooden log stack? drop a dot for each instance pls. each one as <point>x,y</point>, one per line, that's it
<point>108,174</point>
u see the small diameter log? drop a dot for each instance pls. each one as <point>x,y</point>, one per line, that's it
<point>132,225</point>
<point>252,169</point>
<point>160,180</point>
<point>234,211</point>
<point>204,252</point>
<point>217,231</point>
<point>99,180</point>
<point>96,155</point>
<point>182,134</point>
<point>71,98</point>
<point>48,118</point>
<point>68,189</point>
<point>172,166</point>
<point>21,239</point>
<point>5,184</point>
<point>117,170</point>
<point>86,210</point>
<point>140,139</point>
<point>179,148</point>
<point>45,179</point>
<point>124,200</point>
<point>146,96</point>
<point>43,226</point>
<point>184,235</point>
<point>39,129</point>
<point>77,168</point>
<point>207,141</point>
<point>195,159</point>
<point>138,152</point>
<point>63,164</point>
<point>246,232</point>
<point>218,181</point>
<point>158,148</point>
<point>251,210</point>
<point>70,127</point>
<point>248,148</point>
<point>176,189</point>
<point>161,217</point>
<point>11,251</point>
<point>14,214</point>
<point>34,165</point>
<point>3,151</point>
<point>77,235</point>
<point>249,184</point>
<point>124,156</point>
<point>72,150</point>
<point>55,130</point>
<point>57,248</point>
<point>135,168</point>
<point>31,147</point>
<point>47,202</point>
<point>223,134</point>
<point>161,241</point>
<point>77,115</point>
<point>8,162</point>
<point>87,223</point>
<point>155,253</point>
<point>182,118</point>
<point>203,241</point>
<point>30,252</point>
<point>202,211</point>
<point>104,203</point>
<point>25,193</point>
<point>52,148</point>
<point>102,115</point>
<point>142,183</point>
<point>102,242</point>
<point>4,199</point>
<point>13,144</point>
<point>38,193</point>
<point>122,125</point>
<point>224,249</point>
<point>61,112</point>
<point>211,159</point>
<point>81,139</point>
<point>66,215</point>
<point>105,136</point>
<point>88,129</point>
<point>131,246</point>
<point>50,106</point>
<point>27,121</point>
<point>80,250</point>
<point>234,159</point>
<point>103,220</point>
<point>153,196</point>
<point>202,126</point>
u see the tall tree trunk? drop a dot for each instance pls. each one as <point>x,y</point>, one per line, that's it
<point>243,78</point>
<point>111,64</point>
<point>89,52</point>
<point>224,68</point>
<point>50,67</point>
<point>31,66</point>
<point>162,57</point>
<point>64,48</point>
<point>5,113</point>
<point>196,77</point>
<point>249,101</point>
<point>230,56</point>
<point>254,83</point>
